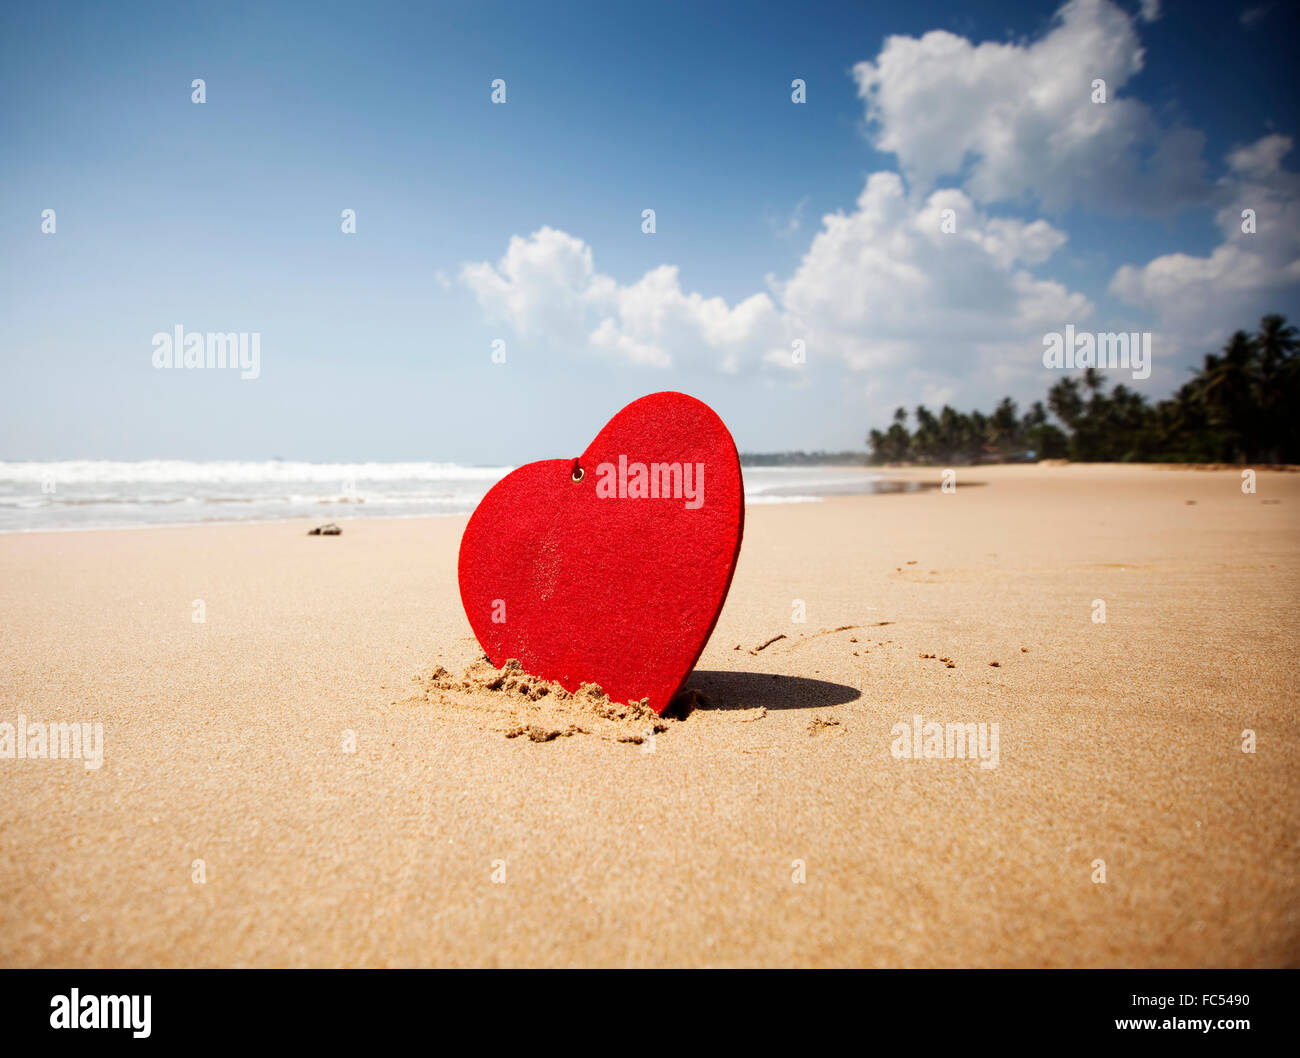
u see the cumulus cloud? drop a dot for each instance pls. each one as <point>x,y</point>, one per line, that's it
<point>913,309</point>
<point>882,286</point>
<point>1198,296</point>
<point>541,286</point>
<point>886,285</point>
<point>1021,116</point>
<point>546,287</point>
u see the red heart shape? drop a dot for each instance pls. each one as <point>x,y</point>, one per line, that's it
<point>582,586</point>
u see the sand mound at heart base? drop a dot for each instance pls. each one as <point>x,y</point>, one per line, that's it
<point>522,706</point>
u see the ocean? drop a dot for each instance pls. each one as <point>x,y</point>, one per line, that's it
<point>104,494</point>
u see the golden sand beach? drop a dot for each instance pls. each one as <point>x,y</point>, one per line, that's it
<point>771,824</point>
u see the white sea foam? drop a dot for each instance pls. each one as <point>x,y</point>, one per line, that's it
<point>91,494</point>
<point>88,471</point>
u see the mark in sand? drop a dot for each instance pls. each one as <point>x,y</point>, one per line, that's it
<point>519,705</point>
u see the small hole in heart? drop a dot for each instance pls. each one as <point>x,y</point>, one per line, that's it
<point>578,473</point>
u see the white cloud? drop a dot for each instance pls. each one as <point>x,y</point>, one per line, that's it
<point>1195,296</point>
<point>883,287</point>
<point>547,288</point>
<point>1021,116</point>
<point>886,286</point>
<point>540,286</point>
<point>913,310</point>
<point>1149,11</point>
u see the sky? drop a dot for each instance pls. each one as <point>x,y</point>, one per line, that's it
<point>778,226</point>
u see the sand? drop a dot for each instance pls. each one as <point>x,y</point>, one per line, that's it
<point>768,825</point>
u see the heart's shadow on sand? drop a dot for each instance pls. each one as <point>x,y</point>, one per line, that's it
<point>751,690</point>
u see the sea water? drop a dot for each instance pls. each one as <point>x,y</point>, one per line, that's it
<point>98,494</point>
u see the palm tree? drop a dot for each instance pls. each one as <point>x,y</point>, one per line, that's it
<point>974,429</point>
<point>1276,344</point>
<point>925,442</point>
<point>1239,405</point>
<point>1065,402</point>
<point>951,433</point>
<point>1226,394</point>
<point>1045,439</point>
<point>1035,416</point>
<point>894,445</point>
<point>1277,340</point>
<point>1004,427</point>
<point>1093,381</point>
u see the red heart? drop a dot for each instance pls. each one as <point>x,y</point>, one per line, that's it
<point>620,590</point>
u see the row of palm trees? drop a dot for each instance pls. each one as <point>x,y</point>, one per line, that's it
<point>1238,408</point>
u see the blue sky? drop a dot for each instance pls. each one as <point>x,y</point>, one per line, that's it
<point>225,216</point>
